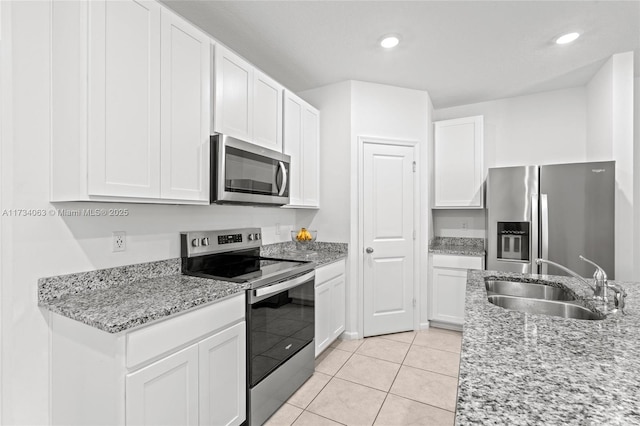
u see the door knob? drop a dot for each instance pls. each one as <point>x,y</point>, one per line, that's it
<point>369,250</point>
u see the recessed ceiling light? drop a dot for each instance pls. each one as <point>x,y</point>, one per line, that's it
<point>389,41</point>
<point>567,38</point>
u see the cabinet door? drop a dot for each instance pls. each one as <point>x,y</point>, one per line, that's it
<point>310,157</point>
<point>323,337</point>
<point>338,313</point>
<point>165,392</point>
<point>186,62</point>
<point>124,99</point>
<point>301,142</point>
<point>267,112</point>
<point>293,108</point>
<point>458,163</point>
<point>233,93</point>
<point>223,377</point>
<point>448,293</point>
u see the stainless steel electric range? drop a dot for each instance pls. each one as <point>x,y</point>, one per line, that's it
<point>280,311</point>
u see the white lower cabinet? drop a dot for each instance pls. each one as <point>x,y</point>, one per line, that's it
<point>166,392</point>
<point>223,377</point>
<point>330,294</point>
<point>448,287</point>
<point>187,370</point>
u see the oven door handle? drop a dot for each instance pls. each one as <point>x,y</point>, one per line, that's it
<point>280,287</point>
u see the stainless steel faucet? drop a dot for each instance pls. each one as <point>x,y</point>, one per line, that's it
<point>600,280</point>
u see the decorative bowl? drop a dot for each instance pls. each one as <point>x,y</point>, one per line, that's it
<point>303,237</point>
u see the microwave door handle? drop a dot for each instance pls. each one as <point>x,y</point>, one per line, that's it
<point>283,187</point>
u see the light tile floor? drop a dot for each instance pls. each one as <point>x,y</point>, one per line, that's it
<point>396,379</point>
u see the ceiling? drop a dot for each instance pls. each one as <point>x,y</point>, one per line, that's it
<point>461,52</point>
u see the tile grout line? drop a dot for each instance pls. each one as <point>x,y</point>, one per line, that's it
<point>325,385</point>
<point>351,354</point>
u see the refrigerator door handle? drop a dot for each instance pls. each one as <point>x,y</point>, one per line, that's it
<point>533,252</point>
<point>544,231</point>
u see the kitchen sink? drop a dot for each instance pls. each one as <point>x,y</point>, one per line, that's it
<point>545,307</point>
<point>529,290</point>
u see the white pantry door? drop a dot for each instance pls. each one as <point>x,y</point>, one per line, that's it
<point>388,221</point>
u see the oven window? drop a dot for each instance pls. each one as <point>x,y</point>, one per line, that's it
<point>279,327</point>
<point>251,173</point>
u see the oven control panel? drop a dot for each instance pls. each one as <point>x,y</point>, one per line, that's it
<point>207,242</point>
<point>229,239</point>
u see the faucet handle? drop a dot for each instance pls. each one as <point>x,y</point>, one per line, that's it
<point>619,297</point>
<point>600,273</point>
<point>600,280</point>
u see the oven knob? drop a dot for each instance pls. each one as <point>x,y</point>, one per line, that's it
<point>258,236</point>
<point>205,241</point>
<point>195,242</point>
<point>250,237</point>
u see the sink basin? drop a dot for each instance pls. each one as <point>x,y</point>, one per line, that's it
<point>530,290</point>
<point>545,307</point>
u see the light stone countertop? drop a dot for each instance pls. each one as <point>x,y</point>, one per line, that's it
<point>118,299</point>
<point>457,246</point>
<point>526,369</point>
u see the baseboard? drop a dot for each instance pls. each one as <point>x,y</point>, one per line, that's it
<point>445,325</point>
<point>350,335</point>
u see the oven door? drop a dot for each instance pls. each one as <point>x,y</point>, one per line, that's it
<point>244,173</point>
<point>280,321</point>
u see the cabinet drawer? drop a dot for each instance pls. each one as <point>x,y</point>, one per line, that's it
<point>460,262</point>
<point>160,338</point>
<point>326,272</point>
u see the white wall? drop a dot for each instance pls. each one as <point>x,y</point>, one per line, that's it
<point>599,108</point>
<point>610,128</point>
<point>467,223</point>
<point>334,103</point>
<point>395,113</point>
<point>636,176</point>
<point>544,128</point>
<point>35,247</point>
<point>349,110</point>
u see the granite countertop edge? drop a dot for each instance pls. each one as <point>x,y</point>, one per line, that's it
<point>120,299</point>
<point>520,369</point>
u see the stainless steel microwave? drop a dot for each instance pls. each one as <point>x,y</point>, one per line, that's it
<point>244,173</point>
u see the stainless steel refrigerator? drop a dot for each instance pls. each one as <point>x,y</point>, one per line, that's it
<point>556,212</point>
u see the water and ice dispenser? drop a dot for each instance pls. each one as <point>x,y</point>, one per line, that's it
<point>513,241</point>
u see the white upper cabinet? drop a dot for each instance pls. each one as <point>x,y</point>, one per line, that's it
<point>233,92</point>
<point>458,163</point>
<point>267,111</point>
<point>186,110</point>
<point>301,142</point>
<point>131,104</point>
<point>248,103</point>
<point>124,99</point>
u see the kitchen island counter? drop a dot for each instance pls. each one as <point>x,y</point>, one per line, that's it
<point>519,368</point>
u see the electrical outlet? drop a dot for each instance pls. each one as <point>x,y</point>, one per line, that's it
<point>119,241</point>
<point>277,229</point>
<point>465,224</point>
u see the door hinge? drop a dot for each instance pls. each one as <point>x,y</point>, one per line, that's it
<point>414,303</point>
<point>414,166</point>
<point>414,234</point>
